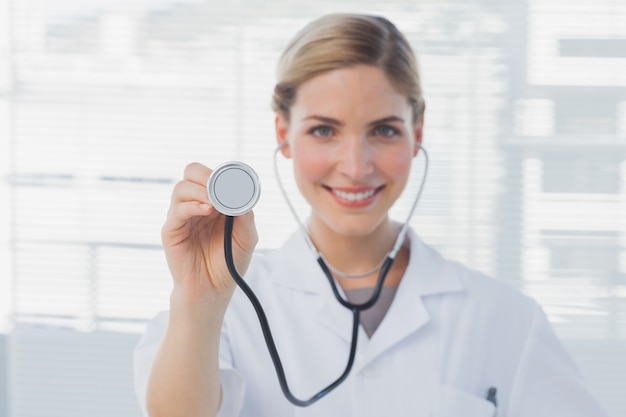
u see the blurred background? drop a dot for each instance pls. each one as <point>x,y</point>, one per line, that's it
<point>103,103</point>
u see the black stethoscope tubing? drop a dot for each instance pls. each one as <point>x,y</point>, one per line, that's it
<point>265,327</point>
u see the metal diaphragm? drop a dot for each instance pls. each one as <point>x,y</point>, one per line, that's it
<point>234,188</point>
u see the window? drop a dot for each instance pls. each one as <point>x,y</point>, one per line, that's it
<point>612,48</point>
<point>585,114</point>
<point>582,171</point>
<point>588,254</point>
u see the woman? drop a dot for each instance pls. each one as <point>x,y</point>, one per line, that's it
<point>441,341</point>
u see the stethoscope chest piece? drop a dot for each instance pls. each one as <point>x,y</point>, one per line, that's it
<point>234,188</point>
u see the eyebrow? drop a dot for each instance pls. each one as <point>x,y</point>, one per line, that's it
<point>389,119</point>
<point>324,119</point>
<point>335,122</point>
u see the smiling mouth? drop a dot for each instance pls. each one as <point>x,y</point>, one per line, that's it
<point>354,196</point>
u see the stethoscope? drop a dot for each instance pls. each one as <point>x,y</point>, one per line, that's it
<point>234,189</point>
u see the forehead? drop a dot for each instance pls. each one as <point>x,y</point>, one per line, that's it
<point>358,91</point>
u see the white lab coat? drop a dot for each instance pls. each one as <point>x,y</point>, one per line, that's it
<point>449,335</point>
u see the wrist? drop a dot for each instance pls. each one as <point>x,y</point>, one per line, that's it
<point>190,309</point>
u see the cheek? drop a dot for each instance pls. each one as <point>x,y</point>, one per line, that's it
<point>398,165</point>
<point>309,166</point>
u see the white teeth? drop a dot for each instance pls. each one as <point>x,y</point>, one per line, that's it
<point>354,196</point>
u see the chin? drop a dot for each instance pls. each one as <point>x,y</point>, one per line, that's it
<point>355,227</point>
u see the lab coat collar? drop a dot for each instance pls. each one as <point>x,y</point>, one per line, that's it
<point>297,267</point>
<point>427,274</point>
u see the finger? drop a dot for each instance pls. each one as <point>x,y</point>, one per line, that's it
<point>247,220</point>
<point>189,191</point>
<point>180,213</point>
<point>197,173</point>
<point>245,231</point>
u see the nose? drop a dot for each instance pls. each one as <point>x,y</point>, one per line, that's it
<point>355,159</point>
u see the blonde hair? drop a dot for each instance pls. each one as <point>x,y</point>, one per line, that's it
<point>342,40</point>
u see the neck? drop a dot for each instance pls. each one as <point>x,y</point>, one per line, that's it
<point>354,254</point>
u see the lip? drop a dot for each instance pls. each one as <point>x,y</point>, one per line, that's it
<point>354,197</point>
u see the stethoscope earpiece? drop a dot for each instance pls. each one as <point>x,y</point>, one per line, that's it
<point>234,188</point>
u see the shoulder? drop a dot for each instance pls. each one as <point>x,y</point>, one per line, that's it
<point>490,291</point>
<point>477,292</point>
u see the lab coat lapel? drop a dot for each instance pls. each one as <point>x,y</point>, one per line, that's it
<point>407,314</point>
<point>334,316</point>
<point>427,274</point>
<point>300,271</point>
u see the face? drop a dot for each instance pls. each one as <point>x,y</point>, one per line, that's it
<point>352,139</point>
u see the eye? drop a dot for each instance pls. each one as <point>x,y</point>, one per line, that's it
<point>385,131</point>
<point>322,131</point>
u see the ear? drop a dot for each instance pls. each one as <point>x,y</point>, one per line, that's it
<point>282,130</point>
<point>418,129</point>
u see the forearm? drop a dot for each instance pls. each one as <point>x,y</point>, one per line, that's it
<point>185,376</point>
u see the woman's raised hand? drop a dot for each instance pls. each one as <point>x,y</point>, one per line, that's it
<point>193,239</point>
